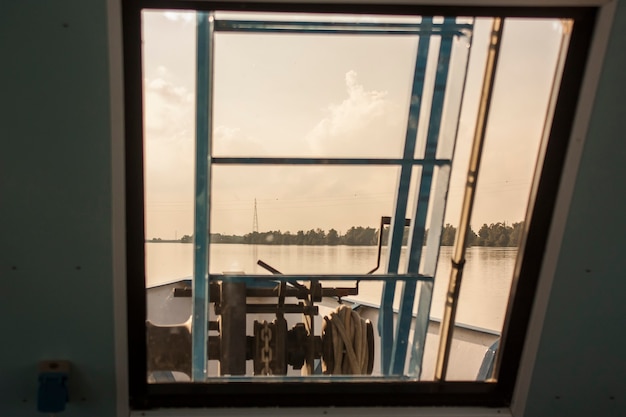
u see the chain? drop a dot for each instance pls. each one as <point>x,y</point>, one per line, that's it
<point>266,352</point>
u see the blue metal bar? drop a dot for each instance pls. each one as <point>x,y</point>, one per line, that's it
<point>438,197</point>
<point>317,277</point>
<point>325,161</point>
<point>417,237</point>
<point>201,215</point>
<point>361,28</point>
<point>385,319</point>
<point>414,249</point>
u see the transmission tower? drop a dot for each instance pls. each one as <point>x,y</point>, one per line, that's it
<point>255,220</point>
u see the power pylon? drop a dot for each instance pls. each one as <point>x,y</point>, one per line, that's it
<point>255,220</point>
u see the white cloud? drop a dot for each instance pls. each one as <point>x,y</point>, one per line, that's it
<point>174,94</point>
<point>302,197</point>
<point>230,141</point>
<point>169,138</point>
<point>365,124</point>
<point>169,110</point>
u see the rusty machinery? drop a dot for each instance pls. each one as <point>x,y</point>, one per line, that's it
<point>272,346</point>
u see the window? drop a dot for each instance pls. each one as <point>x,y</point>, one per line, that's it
<point>295,185</point>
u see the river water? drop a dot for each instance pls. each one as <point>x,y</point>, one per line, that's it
<point>484,292</point>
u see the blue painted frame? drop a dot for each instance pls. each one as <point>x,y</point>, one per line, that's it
<point>419,225</point>
<point>385,322</point>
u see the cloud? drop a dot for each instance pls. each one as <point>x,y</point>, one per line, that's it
<point>175,95</point>
<point>303,197</point>
<point>169,138</point>
<point>290,197</point>
<point>365,124</point>
<point>231,141</point>
<point>169,109</point>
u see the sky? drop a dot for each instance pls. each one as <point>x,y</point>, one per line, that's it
<point>317,95</point>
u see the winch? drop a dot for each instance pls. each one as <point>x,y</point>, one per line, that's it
<point>343,346</point>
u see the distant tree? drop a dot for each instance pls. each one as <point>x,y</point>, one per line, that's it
<point>516,234</point>
<point>300,238</point>
<point>360,236</point>
<point>320,237</point>
<point>332,238</point>
<point>499,234</point>
<point>495,234</point>
<point>472,237</point>
<point>310,237</point>
<point>448,235</point>
<point>483,235</point>
<point>219,238</point>
<point>286,238</point>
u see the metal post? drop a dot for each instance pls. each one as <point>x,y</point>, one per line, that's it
<point>233,329</point>
<point>458,259</point>
<point>396,232</point>
<point>423,197</point>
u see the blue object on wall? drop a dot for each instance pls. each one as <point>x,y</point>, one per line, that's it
<point>52,394</point>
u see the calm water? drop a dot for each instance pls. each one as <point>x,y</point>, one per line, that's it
<point>484,291</point>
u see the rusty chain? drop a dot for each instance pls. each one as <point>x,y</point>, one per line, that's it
<point>266,352</point>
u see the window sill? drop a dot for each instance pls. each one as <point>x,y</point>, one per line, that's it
<point>325,411</point>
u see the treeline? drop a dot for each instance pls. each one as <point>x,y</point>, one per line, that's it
<point>355,236</point>
<point>495,234</point>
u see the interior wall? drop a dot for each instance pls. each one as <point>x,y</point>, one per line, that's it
<point>55,208</point>
<point>56,297</point>
<point>580,367</point>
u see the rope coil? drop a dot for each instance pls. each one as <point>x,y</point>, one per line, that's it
<point>350,344</point>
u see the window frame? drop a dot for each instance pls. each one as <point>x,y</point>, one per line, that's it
<point>392,393</point>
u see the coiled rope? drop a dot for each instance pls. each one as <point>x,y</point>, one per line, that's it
<point>350,347</point>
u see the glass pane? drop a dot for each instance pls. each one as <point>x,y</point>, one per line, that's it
<point>169,88</point>
<point>311,95</point>
<point>298,219</point>
<point>316,226</point>
<point>530,62</point>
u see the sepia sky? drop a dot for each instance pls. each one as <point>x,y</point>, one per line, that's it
<point>319,95</point>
